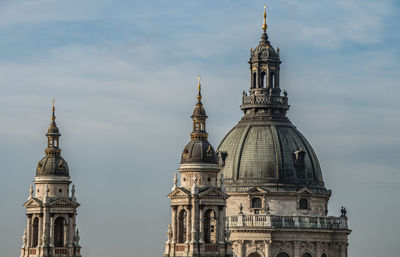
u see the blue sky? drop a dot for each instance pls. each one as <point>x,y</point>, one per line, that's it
<point>123,74</point>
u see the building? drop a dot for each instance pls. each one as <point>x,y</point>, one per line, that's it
<point>198,202</point>
<point>278,202</point>
<point>51,206</point>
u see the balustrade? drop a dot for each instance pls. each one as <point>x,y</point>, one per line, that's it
<point>210,248</point>
<point>60,251</point>
<point>274,221</point>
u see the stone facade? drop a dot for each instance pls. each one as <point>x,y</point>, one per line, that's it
<point>198,203</point>
<point>51,206</point>
<point>278,203</point>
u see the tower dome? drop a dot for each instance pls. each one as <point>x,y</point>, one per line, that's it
<point>265,149</point>
<point>52,163</point>
<point>199,150</point>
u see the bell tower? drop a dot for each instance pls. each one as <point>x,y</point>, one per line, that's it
<point>51,206</point>
<point>198,202</point>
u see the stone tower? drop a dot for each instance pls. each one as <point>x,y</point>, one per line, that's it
<point>51,206</point>
<point>197,225</point>
<point>278,204</point>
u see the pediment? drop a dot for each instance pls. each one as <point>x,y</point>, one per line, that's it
<point>33,202</point>
<point>62,202</point>
<point>213,192</point>
<point>257,190</point>
<point>305,191</point>
<point>179,193</point>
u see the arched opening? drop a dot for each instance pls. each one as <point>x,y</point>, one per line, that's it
<point>35,232</point>
<point>272,80</point>
<point>303,203</point>
<point>182,226</point>
<point>306,255</point>
<point>210,227</point>
<point>323,255</point>
<point>282,254</point>
<point>254,80</point>
<point>263,80</point>
<point>59,226</point>
<point>255,254</point>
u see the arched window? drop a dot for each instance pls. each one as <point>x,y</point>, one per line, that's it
<point>306,255</point>
<point>254,80</point>
<point>210,227</point>
<point>182,226</point>
<point>303,203</point>
<point>256,202</point>
<point>272,80</point>
<point>263,80</point>
<point>59,226</point>
<point>255,254</point>
<point>282,254</point>
<point>35,232</point>
<point>323,255</point>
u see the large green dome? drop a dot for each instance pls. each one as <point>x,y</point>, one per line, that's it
<point>265,149</point>
<point>274,155</point>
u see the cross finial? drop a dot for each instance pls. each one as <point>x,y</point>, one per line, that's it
<point>264,27</point>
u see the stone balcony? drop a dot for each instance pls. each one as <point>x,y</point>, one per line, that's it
<point>262,221</point>
<point>265,99</point>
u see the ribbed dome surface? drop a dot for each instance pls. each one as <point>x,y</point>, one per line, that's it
<point>52,166</point>
<point>199,151</point>
<point>264,154</point>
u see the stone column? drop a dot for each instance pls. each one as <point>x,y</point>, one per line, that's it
<point>188,223</point>
<point>29,230</point>
<point>71,231</point>
<point>296,248</point>
<point>221,225</point>
<point>173,221</point>
<point>266,248</point>
<point>66,230</point>
<point>41,227</point>
<point>277,78</point>
<point>241,248</point>
<point>318,249</point>
<point>343,250</point>
<point>51,230</point>
<point>257,85</point>
<point>201,228</point>
<point>195,220</point>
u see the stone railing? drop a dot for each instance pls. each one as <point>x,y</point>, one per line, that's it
<point>60,251</point>
<point>268,99</point>
<point>274,221</point>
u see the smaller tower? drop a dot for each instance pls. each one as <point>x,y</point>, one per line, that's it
<point>51,211</point>
<point>197,225</point>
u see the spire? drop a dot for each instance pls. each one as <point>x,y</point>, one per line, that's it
<point>264,37</point>
<point>199,117</point>
<point>199,93</point>
<point>53,116</point>
<point>264,26</point>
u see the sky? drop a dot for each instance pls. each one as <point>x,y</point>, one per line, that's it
<point>123,75</point>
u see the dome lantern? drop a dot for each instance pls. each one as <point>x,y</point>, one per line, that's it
<point>52,163</point>
<point>199,150</point>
